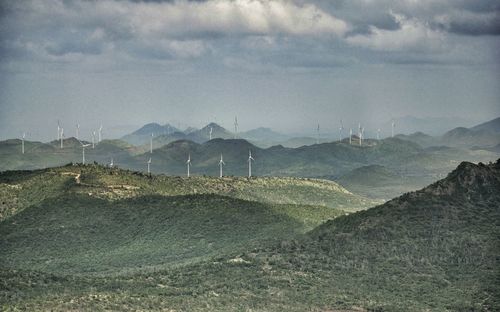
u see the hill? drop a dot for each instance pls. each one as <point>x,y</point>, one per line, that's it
<point>420,138</point>
<point>81,219</point>
<point>434,249</point>
<point>375,181</point>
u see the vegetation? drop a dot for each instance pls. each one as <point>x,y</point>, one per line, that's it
<point>435,249</point>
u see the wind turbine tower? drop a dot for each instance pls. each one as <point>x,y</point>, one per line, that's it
<point>340,130</point>
<point>188,164</point>
<point>317,135</point>
<point>151,144</point>
<point>112,163</point>
<point>149,164</point>
<point>83,151</point>
<point>93,139</point>
<point>78,131</point>
<point>210,133</point>
<point>393,124</point>
<point>22,142</point>
<point>250,159</point>
<point>62,137</point>
<point>362,137</point>
<point>58,130</point>
<point>378,134</point>
<point>350,136</point>
<point>100,134</point>
<point>235,126</point>
<point>221,163</point>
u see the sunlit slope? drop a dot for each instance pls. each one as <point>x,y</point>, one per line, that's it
<point>21,189</point>
<point>79,219</point>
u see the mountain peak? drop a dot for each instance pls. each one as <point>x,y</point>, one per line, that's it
<point>214,127</point>
<point>471,180</point>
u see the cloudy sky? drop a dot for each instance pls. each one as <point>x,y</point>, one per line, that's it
<point>281,64</point>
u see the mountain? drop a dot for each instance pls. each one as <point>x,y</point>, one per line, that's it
<point>464,137</point>
<point>191,134</point>
<point>203,134</point>
<point>434,126</point>
<point>483,136</point>
<point>143,135</point>
<point>264,137</point>
<point>420,138</point>
<point>434,249</point>
<point>492,126</point>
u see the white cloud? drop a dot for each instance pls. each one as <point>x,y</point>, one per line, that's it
<point>227,17</point>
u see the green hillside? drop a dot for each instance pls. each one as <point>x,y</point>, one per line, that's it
<point>435,249</point>
<point>91,218</point>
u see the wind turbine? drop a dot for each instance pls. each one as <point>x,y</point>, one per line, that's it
<point>100,134</point>
<point>393,124</point>
<point>83,151</point>
<point>149,163</point>
<point>210,133</point>
<point>250,159</point>
<point>350,136</point>
<point>22,142</point>
<point>62,137</point>
<point>221,163</point>
<point>93,139</point>
<point>362,137</point>
<point>235,126</point>
<point>78,131</point>
<point>188,164</point>
<point>317,138</point>
<point>58,130</point>
<point>340,130</point>
<point>151,144</point>
<point>111,164</point>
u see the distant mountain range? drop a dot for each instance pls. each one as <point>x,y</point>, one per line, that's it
<point>414,165</point>
<point>435,126</point>
<point>142,136</point>
<point>485,135</point>
<point>412,160</point>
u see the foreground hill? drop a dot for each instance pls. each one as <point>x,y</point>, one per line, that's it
<point>434,249</point>
<point>21,189</point>
<point>91,219</point>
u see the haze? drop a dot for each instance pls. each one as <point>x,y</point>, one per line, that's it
<point>287,65</point>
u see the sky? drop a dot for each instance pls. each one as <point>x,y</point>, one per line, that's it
<point>287,65</point>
